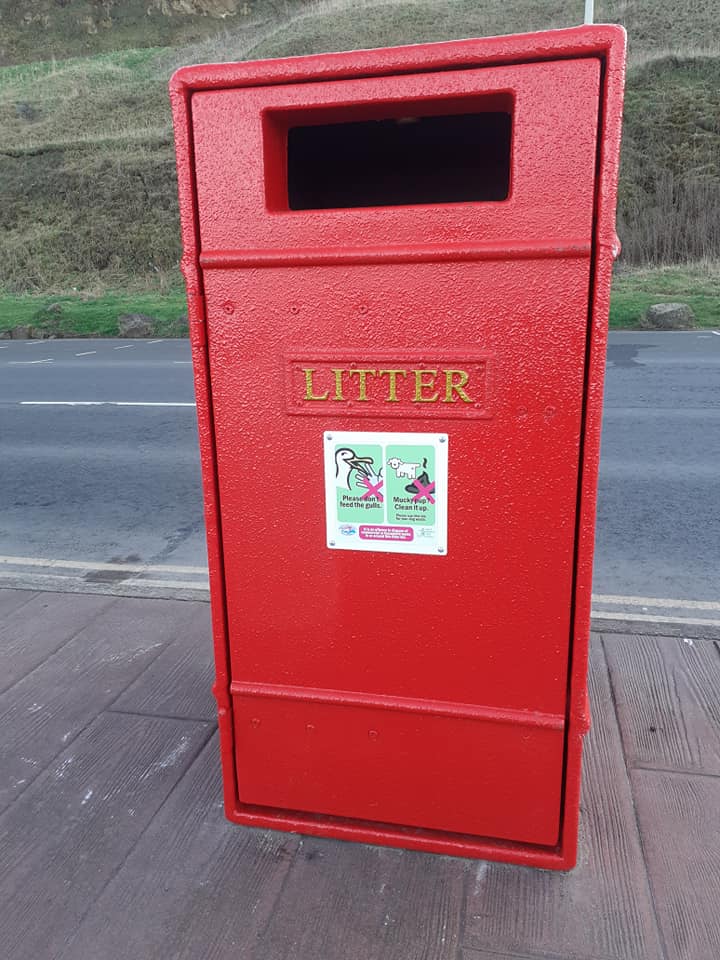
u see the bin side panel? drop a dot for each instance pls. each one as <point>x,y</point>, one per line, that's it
<point>180,98</point>
<point>607,249</point>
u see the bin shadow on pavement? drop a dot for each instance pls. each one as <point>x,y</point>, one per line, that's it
<point>114,842</point>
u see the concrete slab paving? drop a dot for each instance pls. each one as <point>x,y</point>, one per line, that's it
<point>34,630</point>
<point>193,888</point>
<point>178,683</point>
<point>65,838</point>
<point>603,908</point>
<point>42,713</point>
<point>668,701</point>
<point>13,599</point>
<point>679,816</point>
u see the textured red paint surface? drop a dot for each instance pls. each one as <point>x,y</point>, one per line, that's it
<point>434,703</point>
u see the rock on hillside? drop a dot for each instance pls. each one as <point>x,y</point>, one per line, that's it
<point>196,8</point>
<point>135,325</point>
<point>668,316</point>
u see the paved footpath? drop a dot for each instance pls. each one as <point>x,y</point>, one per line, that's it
<point>113,843</point>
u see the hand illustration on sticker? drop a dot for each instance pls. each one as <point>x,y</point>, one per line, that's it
<point>349,468</point>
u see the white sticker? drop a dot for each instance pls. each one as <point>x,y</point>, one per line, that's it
<point>386,491</point>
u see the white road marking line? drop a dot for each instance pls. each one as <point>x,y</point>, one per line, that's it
<point>99,565</point>
<point>142,403</point>
<point>85,353</point>
<point>6,347</point>
<point>648,618</point>
<point>154,341</point>
<point>32,343</point>
<point>100,403</point>
<point>174,584</point>
<point>182,361</point>
<point>657,602</point>
<point>17,363</point>
<point>126,346</point>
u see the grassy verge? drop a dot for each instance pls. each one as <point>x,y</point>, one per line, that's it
<point>633,292</point>
<point>86,316</point>
<point>83,316</point>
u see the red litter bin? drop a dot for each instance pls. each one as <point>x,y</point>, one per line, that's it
<point>398,270</point>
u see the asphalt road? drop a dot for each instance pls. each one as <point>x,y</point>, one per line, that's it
<point>119,485</point>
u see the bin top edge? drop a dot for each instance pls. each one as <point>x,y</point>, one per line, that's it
<point>582,41</point>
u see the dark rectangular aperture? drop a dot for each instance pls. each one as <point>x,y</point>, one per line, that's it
<point>456,158</point>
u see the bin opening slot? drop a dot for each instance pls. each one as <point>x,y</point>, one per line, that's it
<point>411,158</point>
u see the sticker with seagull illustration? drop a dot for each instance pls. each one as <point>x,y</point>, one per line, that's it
<point>359,482</point>
<point>386,492</point>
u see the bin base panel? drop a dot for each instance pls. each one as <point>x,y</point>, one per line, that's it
<point>560,856</point>
<point>388,835</point>
<point>455,768</point>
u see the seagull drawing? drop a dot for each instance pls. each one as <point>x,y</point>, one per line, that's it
<point>346,460</point>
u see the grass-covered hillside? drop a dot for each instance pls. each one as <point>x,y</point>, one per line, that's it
<point>87,164</point>
<point>76,28</point>
<point>33,30</point>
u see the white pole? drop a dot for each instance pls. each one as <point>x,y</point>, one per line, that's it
<point>589,12</point>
